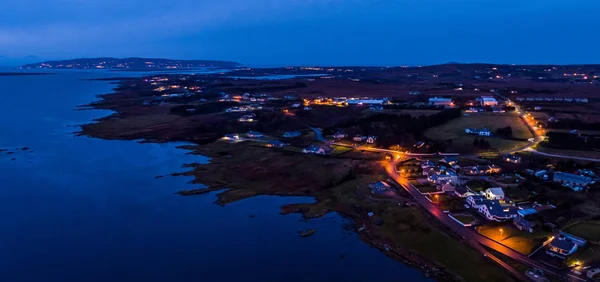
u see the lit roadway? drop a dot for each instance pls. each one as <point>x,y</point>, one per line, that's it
<point>468,234</point>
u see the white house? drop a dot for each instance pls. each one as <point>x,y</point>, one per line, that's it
<point>475,201</point>
<point>494,193</point>
<point>480,132</point>
<point>492,210</point>
<point>561,247</point>
<point>371,139</point>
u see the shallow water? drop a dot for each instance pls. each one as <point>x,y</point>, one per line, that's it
<point>82,209</point>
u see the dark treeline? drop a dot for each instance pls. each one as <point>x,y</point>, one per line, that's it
<point>574,124</point>
<point>570,141</point>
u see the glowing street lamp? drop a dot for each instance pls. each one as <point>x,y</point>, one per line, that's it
<point>501,231</point>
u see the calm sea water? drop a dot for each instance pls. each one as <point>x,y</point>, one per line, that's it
<point>82,209</point>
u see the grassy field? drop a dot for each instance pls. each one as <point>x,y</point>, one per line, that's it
<point>408,227</point>
<point>411,112</point>
<point>520,241</point>
<point>461,142</point>
<point>466,219</point>
<point>586,255</point>
<point>589,230</point>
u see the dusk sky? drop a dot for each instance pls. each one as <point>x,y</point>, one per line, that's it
<point>327,32</point>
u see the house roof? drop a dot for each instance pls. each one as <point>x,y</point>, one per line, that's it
<point>524,222</point>
<point>564,176</point>
<point>478,199</point>
<point>498,210</point>
<point>562,243</point>
<point>496,191</point>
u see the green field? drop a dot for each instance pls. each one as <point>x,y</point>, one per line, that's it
<point>589,230</point>
<point>461,142</point>
<point>520,241</point>
<point>590,253</point>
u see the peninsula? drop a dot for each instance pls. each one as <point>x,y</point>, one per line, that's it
<point>470,172</point>
<point>129,63</point>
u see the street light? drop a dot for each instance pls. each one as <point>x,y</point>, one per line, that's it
<point>501,231</point>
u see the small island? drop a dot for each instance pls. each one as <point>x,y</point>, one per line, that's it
<point>431,163</point>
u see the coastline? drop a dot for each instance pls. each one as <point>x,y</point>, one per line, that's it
<point>229,191</point>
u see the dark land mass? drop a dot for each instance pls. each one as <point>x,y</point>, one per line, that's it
<point>129,63</point>
<point>25,73</point>
<point>202,109</point>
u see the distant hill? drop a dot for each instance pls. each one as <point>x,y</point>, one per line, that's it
<point>128,63</point>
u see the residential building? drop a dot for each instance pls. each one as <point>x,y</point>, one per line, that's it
<point>450,160</point>
<point>419,144</point>
<point>573,181</point>
<point>379,187</point>
<point>446,188</point>
<point>426,166</point>
<point>480,132</point>
<point>488,101</point>
<point>371,139</point>
<point>275,144</point>
<point>492,210</point>
<point>233,137</point>
<point>247,118</point>
<point>462,191</point>
<point>561,247</point>
<point>318,150</point>
<point>515,159</point>
<point>485,169</point>
<point>359,138</point>
<point>254,134</point>
<point>360,102</point>
<point>494,193</point>
<point>377,108</point>
<point>523,224</point>
<point>292,134</point>
<point>440,101</point>
<point>475,201</point>
<point>441,175</point>
<point>339,135</point>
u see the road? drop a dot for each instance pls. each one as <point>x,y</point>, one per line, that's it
<point>562,156</point>
<point>468,234</point>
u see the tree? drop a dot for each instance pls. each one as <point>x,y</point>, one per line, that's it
<point>476,142</point>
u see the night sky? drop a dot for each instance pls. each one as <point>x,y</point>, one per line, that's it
<point>294,32</point>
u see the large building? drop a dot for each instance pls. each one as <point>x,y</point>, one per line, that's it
<point>441,101</point>
<point>573,181</point>
<point>488,101</point>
